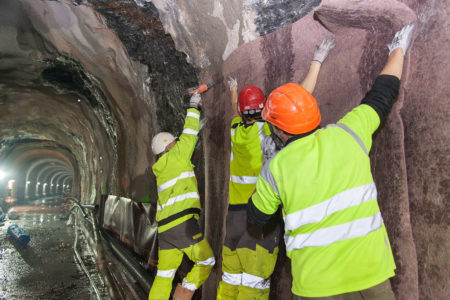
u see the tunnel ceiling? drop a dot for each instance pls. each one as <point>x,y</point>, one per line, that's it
<point>97,77</point>
<point>92,79</point>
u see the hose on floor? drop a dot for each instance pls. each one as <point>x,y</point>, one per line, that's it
<point>80,261</point>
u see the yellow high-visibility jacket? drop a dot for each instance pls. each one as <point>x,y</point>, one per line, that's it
<point>334,232</point>
<point>246,158</point>
<point>178,198</point>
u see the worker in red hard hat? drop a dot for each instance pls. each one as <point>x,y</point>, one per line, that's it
<point>178,211</point>
<point>248,258</point>
<point>334,232</point>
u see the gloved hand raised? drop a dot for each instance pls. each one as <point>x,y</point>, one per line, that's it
<point>232,83</point>
<point>402,39</point>
<point>324,48</point>
<point>196,101</point>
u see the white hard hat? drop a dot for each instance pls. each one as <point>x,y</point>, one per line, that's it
<point>160,142</point>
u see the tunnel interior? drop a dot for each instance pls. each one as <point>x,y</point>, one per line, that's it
<point>86,84</point>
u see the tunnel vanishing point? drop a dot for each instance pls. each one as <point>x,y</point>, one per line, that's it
<point>86,84</point>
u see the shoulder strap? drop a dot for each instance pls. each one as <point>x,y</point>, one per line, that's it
<point>353,134</point>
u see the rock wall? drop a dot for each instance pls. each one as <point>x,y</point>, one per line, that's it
<point>97,79</point>
<point>410,155</point>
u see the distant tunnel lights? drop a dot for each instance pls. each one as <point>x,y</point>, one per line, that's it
<point>2,174</point>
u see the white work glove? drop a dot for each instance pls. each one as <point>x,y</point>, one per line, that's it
<point>196,101</point>
<point>402,39</point>
<point>268,148</point>
<point>232,82</point>
<point>324,48</point>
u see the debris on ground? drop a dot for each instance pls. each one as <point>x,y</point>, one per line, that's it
<point>13,214</point>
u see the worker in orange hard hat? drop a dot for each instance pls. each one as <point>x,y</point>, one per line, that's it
<point>335,235</point>
<point>248,258</point>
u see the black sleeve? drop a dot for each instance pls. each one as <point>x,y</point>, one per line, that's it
<point>255,216</point>
<point>382,95</point>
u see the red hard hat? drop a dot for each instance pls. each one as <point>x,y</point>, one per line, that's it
<point>292,109</point>
<point>251,97</point>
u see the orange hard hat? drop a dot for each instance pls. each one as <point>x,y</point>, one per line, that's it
<point>251,98</point>
<point>292,109</point>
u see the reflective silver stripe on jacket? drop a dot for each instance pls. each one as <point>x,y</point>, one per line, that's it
<point>190,131</point>
<point>166,273</point>
<point>255,282</point>
<point>193,114</point>
<point>267,176</point>
<point>243,179</point>
<point>338,202</point>
<point>261,131</point>
<point>353,134</point>
<point>333,234</point>
<point>172,182</point>
<point>233,279</point>
<point>179,198</point>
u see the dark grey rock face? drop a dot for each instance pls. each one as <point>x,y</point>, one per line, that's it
<point>276,14</point>
<point>169,75</point>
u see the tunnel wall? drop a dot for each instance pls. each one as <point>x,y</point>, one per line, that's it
<point>410,151</point>
<point>425,115</point>
<point>136,86</point>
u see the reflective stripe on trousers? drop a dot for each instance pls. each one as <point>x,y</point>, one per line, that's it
<point>247,280</point>
<point>233,279</point>
<point>208,262</point>
<point>166,273</point>
<point>255,282</point>
<point>243,179</point>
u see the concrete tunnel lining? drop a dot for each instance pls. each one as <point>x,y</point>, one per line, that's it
<point>120,123</point>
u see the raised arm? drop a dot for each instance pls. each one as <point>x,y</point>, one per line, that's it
<point>188,138</point>
<point>232,84</point>
<point>385,89</point>
<point>320,54</point>
<point>397,50</point>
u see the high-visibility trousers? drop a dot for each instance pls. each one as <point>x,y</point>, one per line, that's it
<point>247,260</point>
<point>185,238</point>
<point>382,291</point>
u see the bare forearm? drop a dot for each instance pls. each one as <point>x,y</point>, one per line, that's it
<point>394,65</point>
<point>309,83</point>
<point>234,101</point>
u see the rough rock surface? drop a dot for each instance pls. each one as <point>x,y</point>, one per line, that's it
<point>84,85</point>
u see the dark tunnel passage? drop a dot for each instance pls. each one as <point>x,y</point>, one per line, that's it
<point>86,84</point>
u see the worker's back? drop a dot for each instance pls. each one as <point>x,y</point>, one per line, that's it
<point>335,234</point>
<point>246,158</point>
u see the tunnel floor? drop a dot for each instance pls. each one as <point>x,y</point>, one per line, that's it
<point>46,267</point>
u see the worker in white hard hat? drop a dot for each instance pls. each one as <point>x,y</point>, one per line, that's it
<point>178,210</point>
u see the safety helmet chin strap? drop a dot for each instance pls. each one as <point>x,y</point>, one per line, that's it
<point>278,142</point>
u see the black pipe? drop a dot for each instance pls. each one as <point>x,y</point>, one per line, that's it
<point>79,204</point>
<point>80,261</point>
<point>137,271</point>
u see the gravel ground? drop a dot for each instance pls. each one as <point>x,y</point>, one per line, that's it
<point>45,268</point>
